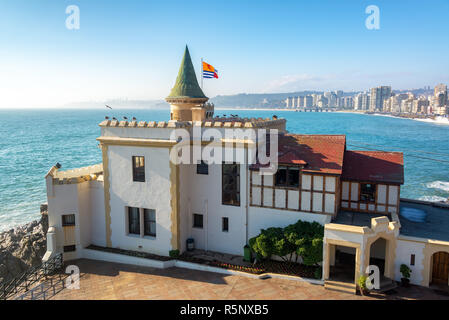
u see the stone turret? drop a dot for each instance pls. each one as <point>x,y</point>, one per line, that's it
<point>186,99</point>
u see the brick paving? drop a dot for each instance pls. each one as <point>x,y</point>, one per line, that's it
<point>105,281</point>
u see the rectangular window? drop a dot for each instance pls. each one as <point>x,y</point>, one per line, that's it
<point>138,169</point>
<point>287,177</point>
<point>202,168</point>
<point>70,248</point>
<point>225,224</point>
<point>68,220</point>
<point>412,260</point>
<point>149,218</point>
<point>230,184</point>
<point>198,220</point>
<point>133,220</point>
<point>367,192</point>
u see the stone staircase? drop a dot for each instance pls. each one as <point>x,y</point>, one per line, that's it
<point>386,284</point>
<point>340,286</point>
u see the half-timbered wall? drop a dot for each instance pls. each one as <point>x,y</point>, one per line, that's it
<point>386,198</point>
<point>315,193</point>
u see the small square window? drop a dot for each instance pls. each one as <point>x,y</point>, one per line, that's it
<point>198,220</point>
<point>367,192</point>
<point>202,168</point>
<point>281,177</point>
<point>138,168</point>
<point>225,224</point>
<point>68,220</point>
<point>70,248</point>
<point>412,260</point>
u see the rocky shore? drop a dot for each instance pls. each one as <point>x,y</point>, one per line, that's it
<point>23,247</point>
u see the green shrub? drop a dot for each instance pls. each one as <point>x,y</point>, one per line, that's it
<point>173,254</point>
<point>405,271</point>
<point>303,238</point>
<point>318,274</point>
<point>362,282</point>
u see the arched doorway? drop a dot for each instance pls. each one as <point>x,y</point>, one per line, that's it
<point>378,252</point>
<point>440,268</point>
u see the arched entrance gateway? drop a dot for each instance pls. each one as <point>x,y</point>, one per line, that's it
<point>440,269</point>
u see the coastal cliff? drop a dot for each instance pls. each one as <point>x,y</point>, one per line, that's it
<point>23,247</point>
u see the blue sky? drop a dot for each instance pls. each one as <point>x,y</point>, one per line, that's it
<point>133,49</point>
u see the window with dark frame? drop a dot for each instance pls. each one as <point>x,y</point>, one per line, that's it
<point>412,260</point>
<point>202,168</point>
<point>70,248</point>
<point>68,220</point>
<point>367,192</point>
<point>149,222</point>
<point>230,184</point>
<point>287,177</point>
<point>198,220</point>
<point>225,224</point>
<point>133,220</point>
<point>138,168</point>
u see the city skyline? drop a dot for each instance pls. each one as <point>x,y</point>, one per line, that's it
<point>130,51</point>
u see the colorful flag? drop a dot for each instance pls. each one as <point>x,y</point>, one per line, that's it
<point>209,71</point>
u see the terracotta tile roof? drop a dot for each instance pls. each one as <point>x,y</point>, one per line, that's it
<point>316,153</point>
<point>374,166</point>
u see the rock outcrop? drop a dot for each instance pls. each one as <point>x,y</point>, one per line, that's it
<point>22,247</point>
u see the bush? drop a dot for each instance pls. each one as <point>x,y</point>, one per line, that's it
<point>405,271</point>
<point>318,273</point>
<point>303,238</point>
<point>362,283</point>
<point>174,254</point>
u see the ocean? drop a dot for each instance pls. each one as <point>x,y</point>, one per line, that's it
<point>31,141</point>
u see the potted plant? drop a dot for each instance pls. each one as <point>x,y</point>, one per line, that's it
<point>362,285</point>
<point>405,271</point>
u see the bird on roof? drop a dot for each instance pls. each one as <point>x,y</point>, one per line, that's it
<point>114,118</point>
<point>108,106</point>
<point>125,118</point>
<point>106,117</point>
<point>134,118</point>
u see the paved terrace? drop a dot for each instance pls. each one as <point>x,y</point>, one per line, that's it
<point>110,281</point>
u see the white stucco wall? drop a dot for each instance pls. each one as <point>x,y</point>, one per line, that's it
<point>86,201</point>
<point>202,194</point>
<point>97,214</point>
<point>404,250</point>
<point>263,218</point>
<point>154,193</point>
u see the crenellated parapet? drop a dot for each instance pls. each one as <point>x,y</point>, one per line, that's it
<point>269,123</point>
<point>78,175</point>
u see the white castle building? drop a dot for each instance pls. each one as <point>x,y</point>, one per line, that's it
<point>137,199</point>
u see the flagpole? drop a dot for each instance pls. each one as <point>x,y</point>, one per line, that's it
<point>201,73</point>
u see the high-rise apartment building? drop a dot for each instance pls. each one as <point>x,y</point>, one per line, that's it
<point>378,95</point>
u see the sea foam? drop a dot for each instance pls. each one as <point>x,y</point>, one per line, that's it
<point>442,185</point>
<point>432,198</point>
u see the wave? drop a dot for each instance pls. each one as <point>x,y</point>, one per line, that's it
<point>442,185</point>
<point>432,198</point>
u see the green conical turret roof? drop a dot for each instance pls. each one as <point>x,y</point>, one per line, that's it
<point>186,83</point>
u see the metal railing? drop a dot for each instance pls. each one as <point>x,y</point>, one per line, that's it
<point>32,276</point>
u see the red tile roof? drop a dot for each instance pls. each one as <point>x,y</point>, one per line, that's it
<point>316,153</point>
<point>374,166</point>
